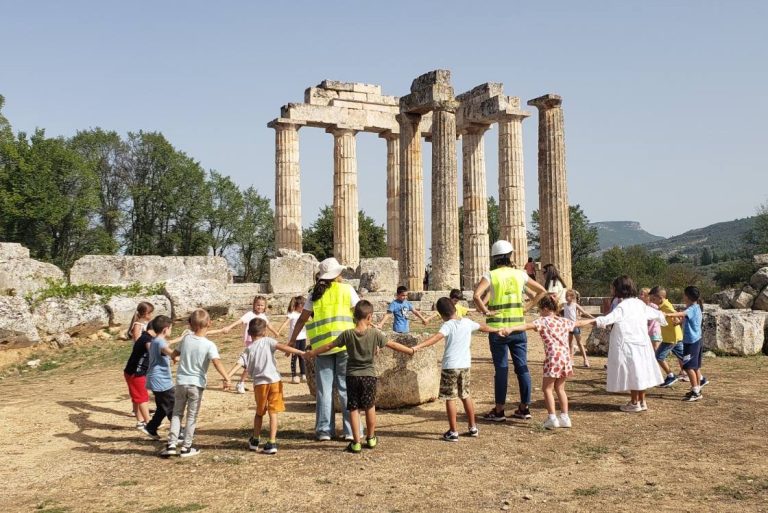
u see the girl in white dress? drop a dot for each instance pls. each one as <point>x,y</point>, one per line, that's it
<point>631,361</point>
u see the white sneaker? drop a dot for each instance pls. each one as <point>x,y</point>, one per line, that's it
<point>643,406</point>
<point>565,421</point>
<point>240,388</point>
<point>551,423</point>
<point>323,438</point>
<point>631,407</point>
<point>303,378</point>
<point>295,380</point>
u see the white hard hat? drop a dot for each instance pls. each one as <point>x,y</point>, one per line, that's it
<point>502,247</point>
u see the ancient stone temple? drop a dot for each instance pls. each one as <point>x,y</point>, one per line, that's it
<point>430,112</point>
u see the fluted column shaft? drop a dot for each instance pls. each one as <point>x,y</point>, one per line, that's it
<point>475,243</point>
<point>393,196</point>
<point>287,187</point>
<point>411,203</point>
<point>554,220</point>
<point>512,187</point>
<point>445,211</point>
<point>346,240</point>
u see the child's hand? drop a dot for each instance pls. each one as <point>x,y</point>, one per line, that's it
<point>490,313</point>
<point>424,321</point>
<point>225,330</point>
<point>308,355</point>
<point>225,385</point>
<point>176,359</point>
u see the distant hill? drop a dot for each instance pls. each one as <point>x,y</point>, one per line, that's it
<point>622,234</point>
<point>726,237</point>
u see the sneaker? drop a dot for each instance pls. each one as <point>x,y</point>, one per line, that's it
<point>151,434</point>
<point>565,421</point>
<point>631,407</point>
<point>170,450</point>
<point>473,432</point>
<point>683,377</point>
<point>349,438</point>
<point>303,378</point>
<point>240,388</point>
<point>522,413</point>
<point>295,380</point>
<point>253,443</point>
<point>551,423</point>
<point>140,425</point>
<point>188,452</point>
<point>323,438</point>
<point>371,442</point>
<point>451,436</point>
<point>703,382</point>
<point>669,381</point>
<point>495,416</point>
<point>692,396</point>
<point>269,448</point>
<point>643,406</point>
<point>353,447</point>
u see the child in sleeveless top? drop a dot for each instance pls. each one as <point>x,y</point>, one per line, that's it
<point>571,311</point>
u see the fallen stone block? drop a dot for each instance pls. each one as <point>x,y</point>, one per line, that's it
<point>77,317</point>
<point>734,332</point>
<point>188,294</point>
<point>292,272</point>
<point>122,308</point>
<point>17,327</point>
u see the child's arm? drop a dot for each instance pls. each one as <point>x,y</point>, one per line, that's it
<point>434,339</point>
<point>584,312</point>
<point>513,329</point>
<point>300,322</point>
<point>676,315</point>
<point>537,290</point>
<point>220,369</point>
<point>226,329</point>
<point>135,331</point>
<point>418,314</point>
<point>283,325</point>
<point>400,347</point>
<point>289,349</point>
<point>585,322</point>
<point>384,319</point>
<point>487,329</point>
<point>180,337</point>
<point>234,369</point>
<point>270,328</point>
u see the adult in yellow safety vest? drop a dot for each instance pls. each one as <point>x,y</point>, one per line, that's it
<point>505,307</point>
<point>330,305</point>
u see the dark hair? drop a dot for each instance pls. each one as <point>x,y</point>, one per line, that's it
<point>694,294</point>
<point>548,302</point>
<point>294,302</point>
<point>530,259</point>
<point>159,323</point>
<point>363,309</point>
<point>401,289</point>
<point>456,294</point>
<point>624,287</point>
<point>551,275</point>
<point>257,327</point>
<point>319,289</point>
<point>445,307</point>
<point>502,260</point>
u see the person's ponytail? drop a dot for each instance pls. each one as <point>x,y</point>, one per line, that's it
<point>319,289</point>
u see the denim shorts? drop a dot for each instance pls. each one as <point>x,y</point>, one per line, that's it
<point>665,348</point>
<point>576,331</point>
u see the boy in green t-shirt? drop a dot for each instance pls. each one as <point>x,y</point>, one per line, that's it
<point>363,343</point>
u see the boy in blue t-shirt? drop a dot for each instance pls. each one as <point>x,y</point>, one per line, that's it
<point>692,343</point>
<point>159,378</point>
<point>398,310</point>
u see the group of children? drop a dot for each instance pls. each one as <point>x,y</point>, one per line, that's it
<point>149,366</point>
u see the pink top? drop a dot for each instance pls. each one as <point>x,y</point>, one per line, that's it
<point>654,328</point>
<point>246,319</point>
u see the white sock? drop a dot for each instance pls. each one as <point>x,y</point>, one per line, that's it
<point>697,389</point>
<point>671,375</point>
<point>564,414</point>
<point>552,416</point>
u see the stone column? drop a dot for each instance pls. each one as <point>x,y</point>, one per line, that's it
<point>512,186</point>
<point>346,232</point>
<point>287,186</point>
<point>445,208</point>
<point>393,194</point>
<point>411,203</point>
<point>554,220</point>
<point>475,243</point>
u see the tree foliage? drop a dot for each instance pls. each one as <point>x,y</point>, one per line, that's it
<point>254,236</point>
<point>318,238</point>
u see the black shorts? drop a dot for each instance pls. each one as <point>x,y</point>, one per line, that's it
<point>361,392</point>
<point>692,355</point>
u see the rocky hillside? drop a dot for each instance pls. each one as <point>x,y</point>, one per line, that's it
<point>622,234</point>
<point>726,237</point>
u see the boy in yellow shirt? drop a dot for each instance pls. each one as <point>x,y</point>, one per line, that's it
<point>671,336</point>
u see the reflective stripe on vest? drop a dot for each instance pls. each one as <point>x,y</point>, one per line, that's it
<point>507,302</point>
<point>331,315</point>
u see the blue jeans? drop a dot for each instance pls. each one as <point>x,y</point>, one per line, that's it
<point>665,348</point>
<point>330,371</point>
<point>517,345</point>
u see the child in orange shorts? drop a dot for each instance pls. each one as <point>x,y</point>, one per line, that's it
<point>258,360</point>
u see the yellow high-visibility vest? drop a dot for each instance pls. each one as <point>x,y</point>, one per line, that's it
<point>332,314</point>
<point>507,302</point>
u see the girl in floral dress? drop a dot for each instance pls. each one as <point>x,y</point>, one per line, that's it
<point>558,364</point>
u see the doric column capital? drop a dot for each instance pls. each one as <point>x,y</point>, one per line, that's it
<point>446,106</point>
<point>473,129</point>
<point>389,135</point>
<point>514,116</point>
<point>339,130</point>
<point>548,101</point>
<point>286,123</point>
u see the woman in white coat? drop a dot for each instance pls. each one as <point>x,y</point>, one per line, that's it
<point>631,361</point>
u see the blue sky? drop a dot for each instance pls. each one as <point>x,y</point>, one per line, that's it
<point>665,101</point>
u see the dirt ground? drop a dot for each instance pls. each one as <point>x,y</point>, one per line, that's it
<point>68,444</point>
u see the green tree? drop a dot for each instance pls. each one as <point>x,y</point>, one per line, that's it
<point>225,213</point>
<point>318,238</point>
<point>6,133</point>
<point>373,237</point>
<point>255,236</point>
<point>706,256</point>
<point>757,238</point>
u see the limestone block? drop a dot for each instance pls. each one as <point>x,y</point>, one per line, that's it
<point>598,341</point>
<point>77,317</point>
<point>760,260</point>
<point>241,294</point>
<point>122,308</point>
<point>759,280</point>
<point>744,298</point>
<point>17,327</point>
<point>347,104</point>
<point>761,301</point>
<point>21,275</point>
<point>188,293</point>
<point>378,274</point>
<point>336,85</point>
<point>319,96</point>
<point>724,298</point>
<point>292,272</point>
<point>734,332</point>
<point>404,380</point>
<point>482,92</point>
<point>383,99</point>
<point>353,96</point>
<point>125,270</point>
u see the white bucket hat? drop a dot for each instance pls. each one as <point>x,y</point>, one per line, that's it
<point>329,269</point>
